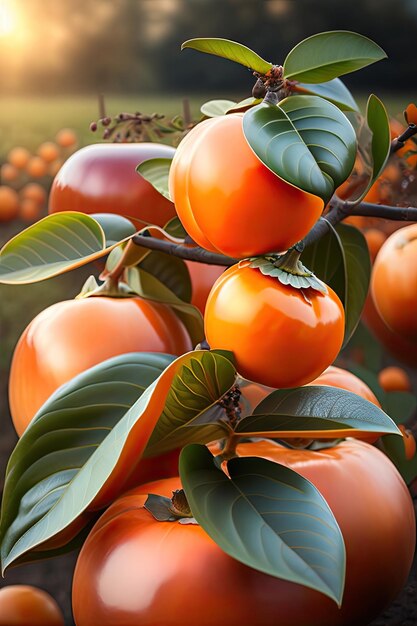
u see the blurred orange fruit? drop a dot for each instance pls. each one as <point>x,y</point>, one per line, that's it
<point>9,203</point>
<point>66,138</point>
<point>55,166</point>
<point>394,379</point>
<point>48,151</point>
<point>34,191</point>
<point>36,167</point>
<point>19,157</point>
<point>9,172</point>
<point>23,605</point>
<point>409,442</point>
<point>410,114</point>
<point>29,210</point>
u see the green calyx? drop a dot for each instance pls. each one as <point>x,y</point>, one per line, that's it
<point>288,269</point>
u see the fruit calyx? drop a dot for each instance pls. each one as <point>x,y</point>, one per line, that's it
<point>110,288</point>
<point>287,268</point>
<point>271,86</point>
<point>174,509</point>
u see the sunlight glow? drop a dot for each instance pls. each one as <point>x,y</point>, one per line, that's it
<point>8,20</point>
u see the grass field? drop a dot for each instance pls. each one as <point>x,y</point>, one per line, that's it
<point>28,121</point>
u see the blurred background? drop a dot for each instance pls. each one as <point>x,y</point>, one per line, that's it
<point>56,57</point>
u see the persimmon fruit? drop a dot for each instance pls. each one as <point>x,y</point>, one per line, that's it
<point>8,172</point>
<point>394,282</point>
<point>48,151</point>
<point>134,570</point>
<point>35,192</point>
<point>71,336</point>
<point>19,157</point>
<point>66,138</point>
<point>24,605</point>
<point>37,167</point>
<point>280,336</point>
<point>229,201</point>
<point>102,178</point>
<point>394,378</point>
<point>9,203</point>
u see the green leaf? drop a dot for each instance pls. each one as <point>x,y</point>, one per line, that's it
<point>394,449</point>
<point>325,56</point>
<point>170,271</point>
<point>59,476</point>
<point>56,244</point>
<point>63,435</point>
<point>302,278</point>
<point>341,260</point>
<point>192,411</point>
<point>244,105</point>
<point>357,275</point>
<point>334,91</point>
<point>268,517</point>
<point>229,50</point>
<point>115,227</point>
<point>305,410</point>
<point>216,108</point>
<point>149,287</point>
<point>175,228</point>
<point>306,141</point>
<point>156,172</point>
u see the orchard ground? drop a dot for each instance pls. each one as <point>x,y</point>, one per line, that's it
<point>29,122</point>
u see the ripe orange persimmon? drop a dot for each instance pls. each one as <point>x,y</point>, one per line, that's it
<point>66,138</point>
<point>128,550</point>
<point>71,336</point>
<point>203,277</point>
<point>23,605</point>
<point>280,336</point>
<point>29,210</point>
<point>229,201</point>
<point>394,282</point>
<point>37,167</point>
<point>9,203</point>
<point>102,178</point>
<point>410,445</point>
<point>48,151</point>
<point>19,157</point>
<point>394,379</point>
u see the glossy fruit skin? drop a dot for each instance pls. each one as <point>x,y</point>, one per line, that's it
<point>23,605</point>
<point>102,178</point>
<point>203,277</point>
<point>229,201</point>
<point>134,570</point>
<point>394,282</point>
<point>279,339</point>
<point>71,336</point>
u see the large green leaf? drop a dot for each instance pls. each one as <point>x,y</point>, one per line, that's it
<point>325,56</point>
<point>334,90</point>
<point>401,405</point>
<point>341,260</point>
<point>216,108</point>
<point>231,50</point>
<point>357,265</point>
<point>58,475</point>
<point>268,517</point>
<point>192,412</point>
<point>306,141</point>
<point>147,286</point>
<point>169,270</point>
<point>303,411</point>
<point>54,245</point>
<point>116,227</point>
<point>64,434</point>
<point>156,172</point>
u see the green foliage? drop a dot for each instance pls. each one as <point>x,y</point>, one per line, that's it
<point>256,516</point>
<point>304,410</point>
<point>214,108</point>
<point>156,172</point>
<point>229,50</point>
<point>115,227</point>
<point>74,457</point>
<point>54,245</point>
<point>334,91</point>
<point>326,56</point>
<point>170,271</point>
<point>305,140</point>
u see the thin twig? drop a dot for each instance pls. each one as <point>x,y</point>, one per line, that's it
<point>192,254</point>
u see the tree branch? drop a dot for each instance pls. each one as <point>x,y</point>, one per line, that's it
<point>398,142</point>
<point>179,250</point>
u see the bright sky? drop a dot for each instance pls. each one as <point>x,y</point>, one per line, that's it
<point>8,19</point>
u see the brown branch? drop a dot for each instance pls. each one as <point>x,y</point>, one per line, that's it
<point>398,142</point>
<point>191,254</point>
